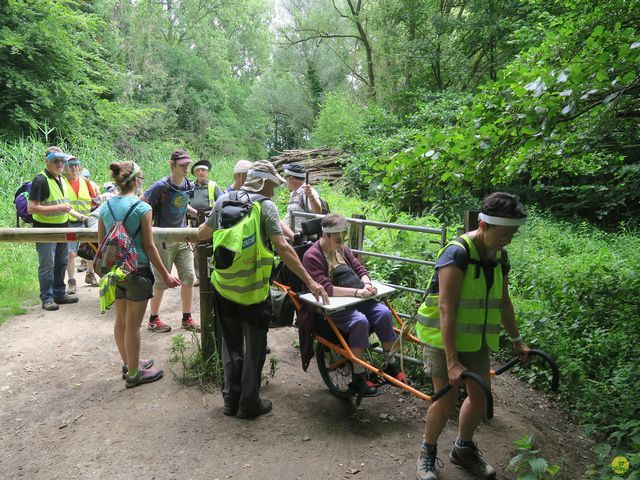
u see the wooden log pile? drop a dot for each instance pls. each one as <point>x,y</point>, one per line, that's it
<point>322,163</point>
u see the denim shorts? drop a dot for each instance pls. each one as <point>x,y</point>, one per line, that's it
<point>476,362</point>
<point>73,246</point>
<point>137,287</point>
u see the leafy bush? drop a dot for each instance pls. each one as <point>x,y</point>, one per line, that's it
<point>576,292</point>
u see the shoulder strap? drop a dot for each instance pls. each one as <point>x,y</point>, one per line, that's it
<point>131,209</point>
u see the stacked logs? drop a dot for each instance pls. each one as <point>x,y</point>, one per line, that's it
<point>322,163</point>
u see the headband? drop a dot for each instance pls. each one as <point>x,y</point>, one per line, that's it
<point>502,221</point>
<point>267,175</point>
<point>134,172</point>
<point>204,167</point>
<point>335,228</point>
<point>294,174</point>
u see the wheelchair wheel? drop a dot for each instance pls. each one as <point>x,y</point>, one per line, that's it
<point>336,371</point>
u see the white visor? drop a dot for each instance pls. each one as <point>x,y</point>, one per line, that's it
<point>502,221</point>
<point>335,229</point>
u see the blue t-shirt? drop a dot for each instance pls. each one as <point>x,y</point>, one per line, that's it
<point>456,255</point>
<point>120,206</point>
<point>172,209</point>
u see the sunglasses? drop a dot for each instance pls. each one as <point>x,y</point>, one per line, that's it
<point>59,161</point>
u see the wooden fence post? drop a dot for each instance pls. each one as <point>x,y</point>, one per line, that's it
<point>210,337</point>
<point>356,234</point>
<point>470,218</point>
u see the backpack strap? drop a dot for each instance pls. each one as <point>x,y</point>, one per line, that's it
<point>131,209</point>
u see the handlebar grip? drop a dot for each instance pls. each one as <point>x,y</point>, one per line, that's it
<point>476,378</point>
<point>555,377</point>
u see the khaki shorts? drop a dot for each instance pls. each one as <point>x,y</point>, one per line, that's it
<point>476,362</point>
<point>180,255</point>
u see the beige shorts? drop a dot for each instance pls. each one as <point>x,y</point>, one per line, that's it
<point>180,255</point>
<point>476,362</point>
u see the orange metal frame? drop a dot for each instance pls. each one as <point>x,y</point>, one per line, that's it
<point>344,350</point>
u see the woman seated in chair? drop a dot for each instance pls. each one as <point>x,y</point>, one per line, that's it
<point>332,265</point>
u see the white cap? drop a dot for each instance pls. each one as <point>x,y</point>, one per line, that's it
<point>242,166</point>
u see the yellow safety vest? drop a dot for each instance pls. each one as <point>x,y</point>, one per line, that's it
<point>212,193</point>
<point>479,310</point>
<point>56,197</point>
<point>246,280</point>
<point>82,201</point>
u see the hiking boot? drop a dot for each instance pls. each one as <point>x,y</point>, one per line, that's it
<point>65,299</point>
<point>470,458</point>
<point>158,326</point>
<point>144,375</point>
<point>91,279</point>
<point>191,325</point>
<point>360,386</point>
<point>83,266</point>
<point>427,459</point>
<point>393,371</point>
<point>71,286</point>
<point>230,408</point>
<point>264,407</point>
<point>50,305</point>
<point>146,364</point>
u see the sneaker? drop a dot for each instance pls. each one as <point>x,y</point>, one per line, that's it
<point>50,305</point>
<point>146,364</point>
<point>427,459</point>
<point>470,458</point>
<point>65,299</point>
<point>191,325</point>
<point>158,326</point>
<point>144,375</point>
<point>393,371</point>
<point>360,386</point>
<point>71,286</point>
<point>91,279</point>
<point>264,407</point>
<point>83,266</point>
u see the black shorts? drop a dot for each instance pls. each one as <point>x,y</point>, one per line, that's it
<point>137,287</point>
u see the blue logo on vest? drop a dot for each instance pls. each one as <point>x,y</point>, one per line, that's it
<point>249,241</point>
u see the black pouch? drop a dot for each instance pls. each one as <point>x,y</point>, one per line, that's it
<point>345,276</point>
<point>87,250</point>
<point>282,309</point>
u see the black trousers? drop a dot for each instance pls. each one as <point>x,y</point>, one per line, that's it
<point>244,344</point>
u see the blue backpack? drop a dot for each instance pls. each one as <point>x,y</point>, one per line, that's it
<point>21,200</point>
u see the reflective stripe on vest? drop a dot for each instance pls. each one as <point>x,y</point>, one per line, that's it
<point>212,193</point>
<point>478,312</point>
<point>56,197</point>
<point>82,201</point>
<point>246,281</point>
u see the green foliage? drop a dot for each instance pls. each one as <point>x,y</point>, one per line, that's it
<point>576,294</point>
<point>194,369</point>
<point>54,71</point>
<point>528,465</point>
<point>564,109</point>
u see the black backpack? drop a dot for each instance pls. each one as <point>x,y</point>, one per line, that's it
<point>236,207</point>
<point>155,208</point>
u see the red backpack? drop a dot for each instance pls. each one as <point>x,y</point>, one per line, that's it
<point>117,248</point>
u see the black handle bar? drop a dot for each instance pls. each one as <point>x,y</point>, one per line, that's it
<point>476,378</point>
<point>555,379</point>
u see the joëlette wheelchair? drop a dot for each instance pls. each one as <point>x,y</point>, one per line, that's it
<point>334,356</point>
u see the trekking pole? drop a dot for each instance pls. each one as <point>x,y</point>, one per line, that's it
<point>555,376</point>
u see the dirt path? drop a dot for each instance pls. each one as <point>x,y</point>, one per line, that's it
<point>65,413</point>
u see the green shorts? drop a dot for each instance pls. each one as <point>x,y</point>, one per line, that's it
<point>137,287</point>
<point>476,362</point>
